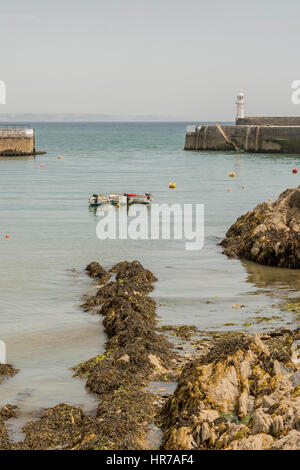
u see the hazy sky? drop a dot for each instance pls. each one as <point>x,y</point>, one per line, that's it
<point>181,58</point>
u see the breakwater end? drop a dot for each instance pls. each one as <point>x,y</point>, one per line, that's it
<point>249,138</point>
<point>251,134</point>
<point>15,142</point>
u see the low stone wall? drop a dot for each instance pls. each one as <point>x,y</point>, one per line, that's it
<point>268,121</point>
<point>17,142</point>
<point>258,139</point>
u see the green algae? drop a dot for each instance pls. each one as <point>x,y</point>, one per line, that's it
<point>185,332</point>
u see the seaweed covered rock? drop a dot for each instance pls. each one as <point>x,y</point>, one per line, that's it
<point>6,412</point>
<point>97,272</point>
<point>269,234</point>
<point>4,437</point>
<point>237,396</point>
<point>140,278</point>
<point>62,427</point>
<point>135,355</point>
<point>6,371</point>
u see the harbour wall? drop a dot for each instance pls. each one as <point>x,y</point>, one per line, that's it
<point>268,121</point>
<point>17,142</point>
<point>251,138</point>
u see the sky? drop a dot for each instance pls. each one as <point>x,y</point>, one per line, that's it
<point>184,59</point>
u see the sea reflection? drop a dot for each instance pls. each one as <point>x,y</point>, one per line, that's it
<point>265,277</point>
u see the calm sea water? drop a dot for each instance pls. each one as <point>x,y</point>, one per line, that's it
<point>52,238</point>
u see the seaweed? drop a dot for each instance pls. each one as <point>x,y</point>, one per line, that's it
<point>135,355</point>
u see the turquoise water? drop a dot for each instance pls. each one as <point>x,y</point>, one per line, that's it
<point>52,238</point>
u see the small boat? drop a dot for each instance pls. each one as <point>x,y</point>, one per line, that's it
<point>97,199</point>
<point>133,198</point>
<point>117,198</point>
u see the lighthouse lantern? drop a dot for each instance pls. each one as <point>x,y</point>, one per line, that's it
<point>240,105</point>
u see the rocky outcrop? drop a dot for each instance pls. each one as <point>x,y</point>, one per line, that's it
<point>269,234</point>
<point>8,411</point>
<point>6,371</point>
<point>237,396</point>
<point>97,272</point>
<point>135,355</point>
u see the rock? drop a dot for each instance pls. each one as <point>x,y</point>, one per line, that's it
<point>261,422</point>
<point>230,433</point>
<point>124,358</point>
<point>8,411</point>
<point>223,390</point>
<point>245,404</point>
<point>267,402</point>
<point>154,360</point>
<point>7,370</point>
<point>261,346</point>
<point>184,439</point>
<point>257,442</point>
<point>96,271</point>
<point>277,368</point>
<point>237,396</point>
<point>278,425</point>
<point>142,279</point>
<point>289,442</point>
<point>208,415</point>
<point>269,234</point>
<point>205,432</point>
<point>295,379</point>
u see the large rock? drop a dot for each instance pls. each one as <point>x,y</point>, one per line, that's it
<point>269,234</point>
<point>239,395</point>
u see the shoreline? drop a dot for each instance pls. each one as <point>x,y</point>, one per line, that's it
<point>134,379</point>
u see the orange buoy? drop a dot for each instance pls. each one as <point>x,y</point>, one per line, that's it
<point>118,205</point>
<point>232,174</point>
<point>295,170</point>
<point>270,199</point>
<point>7,235</point>
<point>42,165</point>
<point>59,157</point>
<point>172,185</point>
<point>228,190</point>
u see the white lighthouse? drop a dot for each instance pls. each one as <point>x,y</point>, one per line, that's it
<point>240,105</point>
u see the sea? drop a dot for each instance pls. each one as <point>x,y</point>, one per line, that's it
<point>52,237</point>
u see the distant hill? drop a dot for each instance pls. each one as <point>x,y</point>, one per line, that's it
<point>77,117</point>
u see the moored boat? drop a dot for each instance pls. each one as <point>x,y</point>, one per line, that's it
<point>127,198</point>
<point>114,198</point>
<point>133,198</point>
<point>97,199</point>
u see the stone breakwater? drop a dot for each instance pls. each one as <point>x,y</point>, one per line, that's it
<point>17,142</point>
<point>269,234</point>
<point>243,394</point>
<point>248,138</point>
